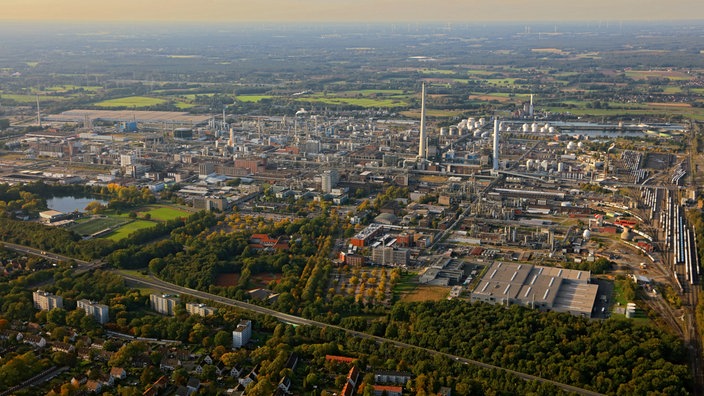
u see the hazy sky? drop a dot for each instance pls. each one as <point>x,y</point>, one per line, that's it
<point>350,10</point>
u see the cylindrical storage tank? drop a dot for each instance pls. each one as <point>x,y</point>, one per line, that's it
<point>560,167</point>
<point>586,234</point>
<point>571,146</point>
<point>551,129</point>
<point>544,165</point>
<point>529,164</point>
<point>443,131</point>
<point>534,127</point>
<point>482,121</point>
<point>525,127</point>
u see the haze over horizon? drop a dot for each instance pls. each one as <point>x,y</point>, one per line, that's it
<point>291,11</point>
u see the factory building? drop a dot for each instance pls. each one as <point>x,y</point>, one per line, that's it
<point>544,288</point>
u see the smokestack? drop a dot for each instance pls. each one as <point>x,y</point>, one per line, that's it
<point>39,114</point>
<point>231,142</point>
<point>423,145</point>
<point>530,108</point>
<point>496,145</point>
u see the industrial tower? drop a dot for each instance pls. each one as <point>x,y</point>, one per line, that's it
<point>495,167</point>
<point>423,145</point>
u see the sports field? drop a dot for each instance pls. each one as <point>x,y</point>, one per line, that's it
<point>90,226</point>
<point>125,231</point>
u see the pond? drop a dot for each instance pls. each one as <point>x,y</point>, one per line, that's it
<point>71,204</point>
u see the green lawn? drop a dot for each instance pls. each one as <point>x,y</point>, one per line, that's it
<point>90,226</point>
<point>131,101</point>
<point>125,231</point>
<point>163,213</point>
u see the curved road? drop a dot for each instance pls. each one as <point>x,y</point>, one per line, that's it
<point>171,288</point>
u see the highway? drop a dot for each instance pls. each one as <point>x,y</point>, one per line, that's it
<point>166,287</point>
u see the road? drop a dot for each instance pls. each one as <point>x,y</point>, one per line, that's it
<point>158,284</point>
<point>82,265</point>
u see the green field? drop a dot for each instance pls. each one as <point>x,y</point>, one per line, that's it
<point>125,231</point>
<point>131,101</point>
<point>252,98</point>
<point>361,102</point>
<point>22,98</point>
<point>89,226</point>
<point>163,213</point>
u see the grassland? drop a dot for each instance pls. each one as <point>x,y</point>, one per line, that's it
<point>252,98</point>
<point>131,101</point>
<point>125,231</point>
<point>361,102</point>
<point>426,293</point>
<point>163,213</point>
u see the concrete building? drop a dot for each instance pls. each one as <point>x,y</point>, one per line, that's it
<point>545,288</point>
<point>200,309</point>
<point>46,301</point>
<point>388,255</point>
<point>164,304</point>
<point>329,180</point>
<point>98,311</point>
<point>242,334</point>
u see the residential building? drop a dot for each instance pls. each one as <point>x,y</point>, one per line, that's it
<point>329,180</point>
<point>164,304</point>
<point>200,309</point>
<point>46,301</point>
<point>242,334</point>
<point>98,311</point>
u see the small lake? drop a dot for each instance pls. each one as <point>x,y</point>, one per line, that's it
<point>71,204</point>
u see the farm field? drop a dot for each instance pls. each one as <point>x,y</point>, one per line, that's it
<point>131,101</point>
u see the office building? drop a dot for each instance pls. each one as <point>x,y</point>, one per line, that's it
<point>164,304</point>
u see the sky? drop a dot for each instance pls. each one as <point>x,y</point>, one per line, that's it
<point>350,10</point>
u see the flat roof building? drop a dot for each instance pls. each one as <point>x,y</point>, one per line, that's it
<point>545,288</point>
<point>46,301</point>
<point>242,334</point>
<point>98,311</point>
<point>164,304</point>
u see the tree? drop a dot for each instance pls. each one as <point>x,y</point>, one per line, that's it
<point>223,338</point>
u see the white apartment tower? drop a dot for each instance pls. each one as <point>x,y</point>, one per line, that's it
<point>164,304</point>
<point>98,311</point>
<point>46,301</point>
<point>242,334</point>
<point>328,180</point>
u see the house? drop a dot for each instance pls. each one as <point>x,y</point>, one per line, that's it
<point>266,243</point>
<point>118,373</point>
<point>79,380</point>
<point>94,386</point>
<point>388,390</point>
<point>445,391</point>
<point>169,364</point>
<point>351,383</point>
<point>157,386</point>
<point>236,371</point>
<point>193,385</point>
<point>181,391</point>
<point>34,340</point>
<point>62,347</point>
<point>339,359</point>
<point>392,377</point>
<point>285,384</point>
<point>249,378</point>
<point>220,368</point>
